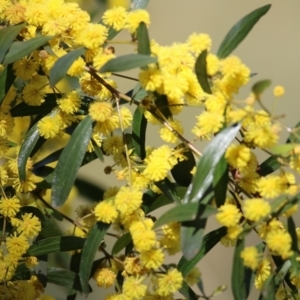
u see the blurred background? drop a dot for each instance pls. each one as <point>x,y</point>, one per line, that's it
<point>271,50</point>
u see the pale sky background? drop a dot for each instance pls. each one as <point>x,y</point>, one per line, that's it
<point>271,49</point>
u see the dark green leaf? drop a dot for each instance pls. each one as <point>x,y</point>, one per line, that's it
<point>269,166</point>
<point>98,151</point>
<point>168,189</point>
<point>187,292</point>
<point>70,161</point>
<point>208,162</point>
<point>209,241</point>
<point>185,212</point>
<point>181,172</point>
<point>127,62</point>
<point>20,49</point>
<point>143,39</point>
<point>162,104</point>
<point>56,244</point>
<point>238,282</point>
<point>240,30</point>
<point>220,181</point>
<point>139,125</point>
<point>7,36</point>
<point>121,243</point>
<point>200,69</point>
<point>269,289</point>
<point>139,4</point>
<point>50,229</point>
<point>259,87</point>
<point>7,78</point>
<point>22,109</point>
<point>27,145</point>
<point>293,233</point>
<point>89,250</point>
<point>63,64</point>
<point>21,273</point>
<point>88,189</point>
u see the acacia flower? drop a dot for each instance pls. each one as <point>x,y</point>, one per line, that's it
<point>133,287</point>
<point>115,17</point>
<point>100,111</point>
<point>128,200</point>
<point>250,257</point>
<point>262,273</point>
<point>228,215</point>
<point>256,208</point>
<point>280,242</point>
<point>278,91</point>
<point>169,283</point>
<point>105,211</point>
<point>9,207</point>
<point>153,258</point>
<point>29,226</point>
<point>105,277</point>
<point>49,127</point>
<point>17,244</point>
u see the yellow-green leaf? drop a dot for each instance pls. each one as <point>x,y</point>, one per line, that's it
<point>260,86</point>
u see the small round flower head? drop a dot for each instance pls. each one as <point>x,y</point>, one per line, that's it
<point>33,95</point>
<point>250,257</point>
<point>262,273</point>
<point>29,226</point>
<point>270,187</point>
<point>152,259</point>
<point>256,208</point>
<point>48,127</point>
<point>278,91</point>
<point>199,42</point>
<point>135,17</point>
<point>25,68</point>
<point>238,156</point>
<point>115,17</point>
<point>100,111</point>
<point>169,283</point>
<point>77,67</point>
<point>280,242</point>
<point>228,215</point>
<point>133,287</point>
<point>151,78</point>
<point>106,212</point>
<point>104,277</point>
<point>193,277</point>
<point>9,207</point>
<point>17,244</point>
<point>167,135</point>
<point>69,103</point>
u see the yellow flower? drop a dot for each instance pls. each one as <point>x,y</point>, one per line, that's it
<point>199,42</point>
<point>77,67</point>
<point>25,68</point>
<point>69,103</point>
<point>171,238</point>
<point>31,261</point>
<point>135,17</point>
<point>29,226</point>
<point>115,18</point>
<point>262,273</point>
<point>228,215</point>
<point>17,244</point>
<point>49,127</point>
<point>151,78</point>
<point>33,95</point>
<point>193,277</point>
<point>250,257</point>
<point>278,91</point>
<point>208,123</point>
<point>92,36</point>
<point>280,242</point>
<point>106,212</point>
<point>133,288</point>
<point>256,208</point>
<point>270,186</point>
<point>169,283</point>
<point>9,207</point>
<point>128,200</point>
<point>153,258</point>
<point>105,277</point>
<point>6,124</point>
<point>100,111</point>
<point>238,156</point>
<point>167,135</point>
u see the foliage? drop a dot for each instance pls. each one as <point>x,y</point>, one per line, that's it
<point>57,72</point>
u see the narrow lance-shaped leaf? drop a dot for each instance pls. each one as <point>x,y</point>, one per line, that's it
<point>62,65</point>
<point>121,243</point>
<point>127,62</point>
<point>89,250</point>
<point>220,181</point>
<point>70,161</point>
<point>20,49</point>
<point>139,125</point>
<point>7,78</point>
<point>211,156</point>
<point>7,36</point>
<point>200,69</point>
<point>259,87</point>
<point>240,30</point>
<point>143,39</point>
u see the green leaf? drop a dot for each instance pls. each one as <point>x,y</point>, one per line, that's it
<point>209,241</point>
<point>121,243</point>
<point>259,87</point>
<point>185,212</point>
<point>64,277</point>
<point>98,151</point>
<point>50,229</point>
<point>238,282</point>
<point>168,189</point>
<point>89,250</point>
<point>269,166</point>
<point>269,289</point>
<point>139,125</point>
<point>20,49</point>
<point>63,64</point>
<point>70,161</point>
<point>162,104</point>
<point>7,36</point>
<point>88,189</point>
<point>127,62</point>
<point>283,150</point>
<point>200,69</point>
<point>139,4</point>
<point>220,181</point>
<point>208,162</point>
<point>22,109</point>
<point>7,78</point>
<point>143,39</point>
<point>181,172</point>
<point>27,145</point>
<point>187,292</point>
<point>56,244</point>
<point>240,30</point>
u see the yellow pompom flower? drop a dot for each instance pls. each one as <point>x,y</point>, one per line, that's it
<point>33,94</point>
<point>151,78</point>
<point>104,277</point>
<point>250,257</point>
<point>135,17</point>
<point>169,283</point>
<point>193,277</point>
<point>69,103</point>
<point>208,123</point>
<point>25,68</point>
<point>9,207</point>
<point>256,208</point>
<point>49,127</point>
<point>115,17</point>
<point>100,111</point>
<point>199,42</point>
<point>17,244</point>
<point>29,226</point>
<point>278,91</point>
<point>105,211</point>
<point>92,36</point>
<point>152,259</point>
<point>238,156</point>
<point>128,200</point>
<point>270,187</point>
<point>280,242</point>
<point>77,68</point>
<point>133,287</point>
<point>167,135</point>
<point>228,215</point>
<point>262,273</point>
